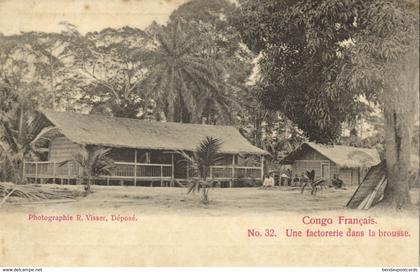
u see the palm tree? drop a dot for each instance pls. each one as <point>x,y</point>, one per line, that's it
<point>309,181</point>
<point>181,74</point>
<point>94,161</point>
<point>20,94</point>
<point>205,155</point>
<point>313,183</point>
<point>20,128</point>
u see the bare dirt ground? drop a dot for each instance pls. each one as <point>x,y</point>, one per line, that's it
<point>169,201</point>
<point>175,229</point>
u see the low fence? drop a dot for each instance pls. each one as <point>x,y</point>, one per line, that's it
<point>237,172</point>
<point>134,171</point>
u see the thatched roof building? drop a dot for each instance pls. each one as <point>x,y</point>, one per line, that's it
<point>143,134</point>
<point>349,163</point>
<point>144,152</point>
<point>341,155</point>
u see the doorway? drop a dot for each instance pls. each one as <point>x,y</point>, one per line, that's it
<point>325,170</point>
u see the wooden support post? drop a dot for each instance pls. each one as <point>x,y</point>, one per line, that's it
<point>36,172</point>
<point>172,184</point>
<point>24,171</point>
<point>54,172</point>
<point>147,157</point>
<point>262,168</point>
<point>161,176</point>
<point>233,172</point>
<point>62,181</point>
<point>135,167</point>
<point>79,180</point>
<point>233,166</point>
<point>68,171</point>
<point>107,180</point>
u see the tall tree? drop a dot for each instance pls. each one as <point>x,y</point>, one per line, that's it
<point>180,77</point>
<point>20,125</point>
<point>42,59</point>
<point>220,41</point>
<point>319,57</point>
<point>267,128</point>
<point>386,51</point>
<point>31,67</point>
<point>52,54</point>
<point>298,62</point>
<point>111,73</point>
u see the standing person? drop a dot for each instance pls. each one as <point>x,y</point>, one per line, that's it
<point>265,181</point>
<point>271,181</point>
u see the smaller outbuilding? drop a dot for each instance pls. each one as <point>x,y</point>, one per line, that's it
<point>350,164</point>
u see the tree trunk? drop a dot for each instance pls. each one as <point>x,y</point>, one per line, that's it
<point>20,132</point>
<point>52,83</point>
<point>397,156</point>
<point>258,128</point>
<point>18,165</point>
<point>88,189</point>
<point>20,169</point>
<point>204,196</point>
<point>399,118</point>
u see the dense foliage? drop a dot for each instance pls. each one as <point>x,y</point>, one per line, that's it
<point>319,58</point>
<point>193,69</point>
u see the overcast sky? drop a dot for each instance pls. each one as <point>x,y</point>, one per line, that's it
<point>88,15</point>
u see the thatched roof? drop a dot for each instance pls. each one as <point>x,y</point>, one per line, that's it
<point>343,156</point>
<point>142,134</point>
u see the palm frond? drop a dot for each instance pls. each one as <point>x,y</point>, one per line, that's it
<point>311,175</point>
<point>174,66</point>
<point>62,163</point>
<point>208,151</point>
<point>42,135</point>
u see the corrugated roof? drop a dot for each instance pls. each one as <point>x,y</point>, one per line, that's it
<point>142,134</point>
<point>344,156</point>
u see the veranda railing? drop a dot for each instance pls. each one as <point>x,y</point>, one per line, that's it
<point>134,171</point>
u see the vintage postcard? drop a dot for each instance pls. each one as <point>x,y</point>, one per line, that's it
<point>208,133</point>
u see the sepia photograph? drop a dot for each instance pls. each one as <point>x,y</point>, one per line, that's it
<point>208,133</point>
